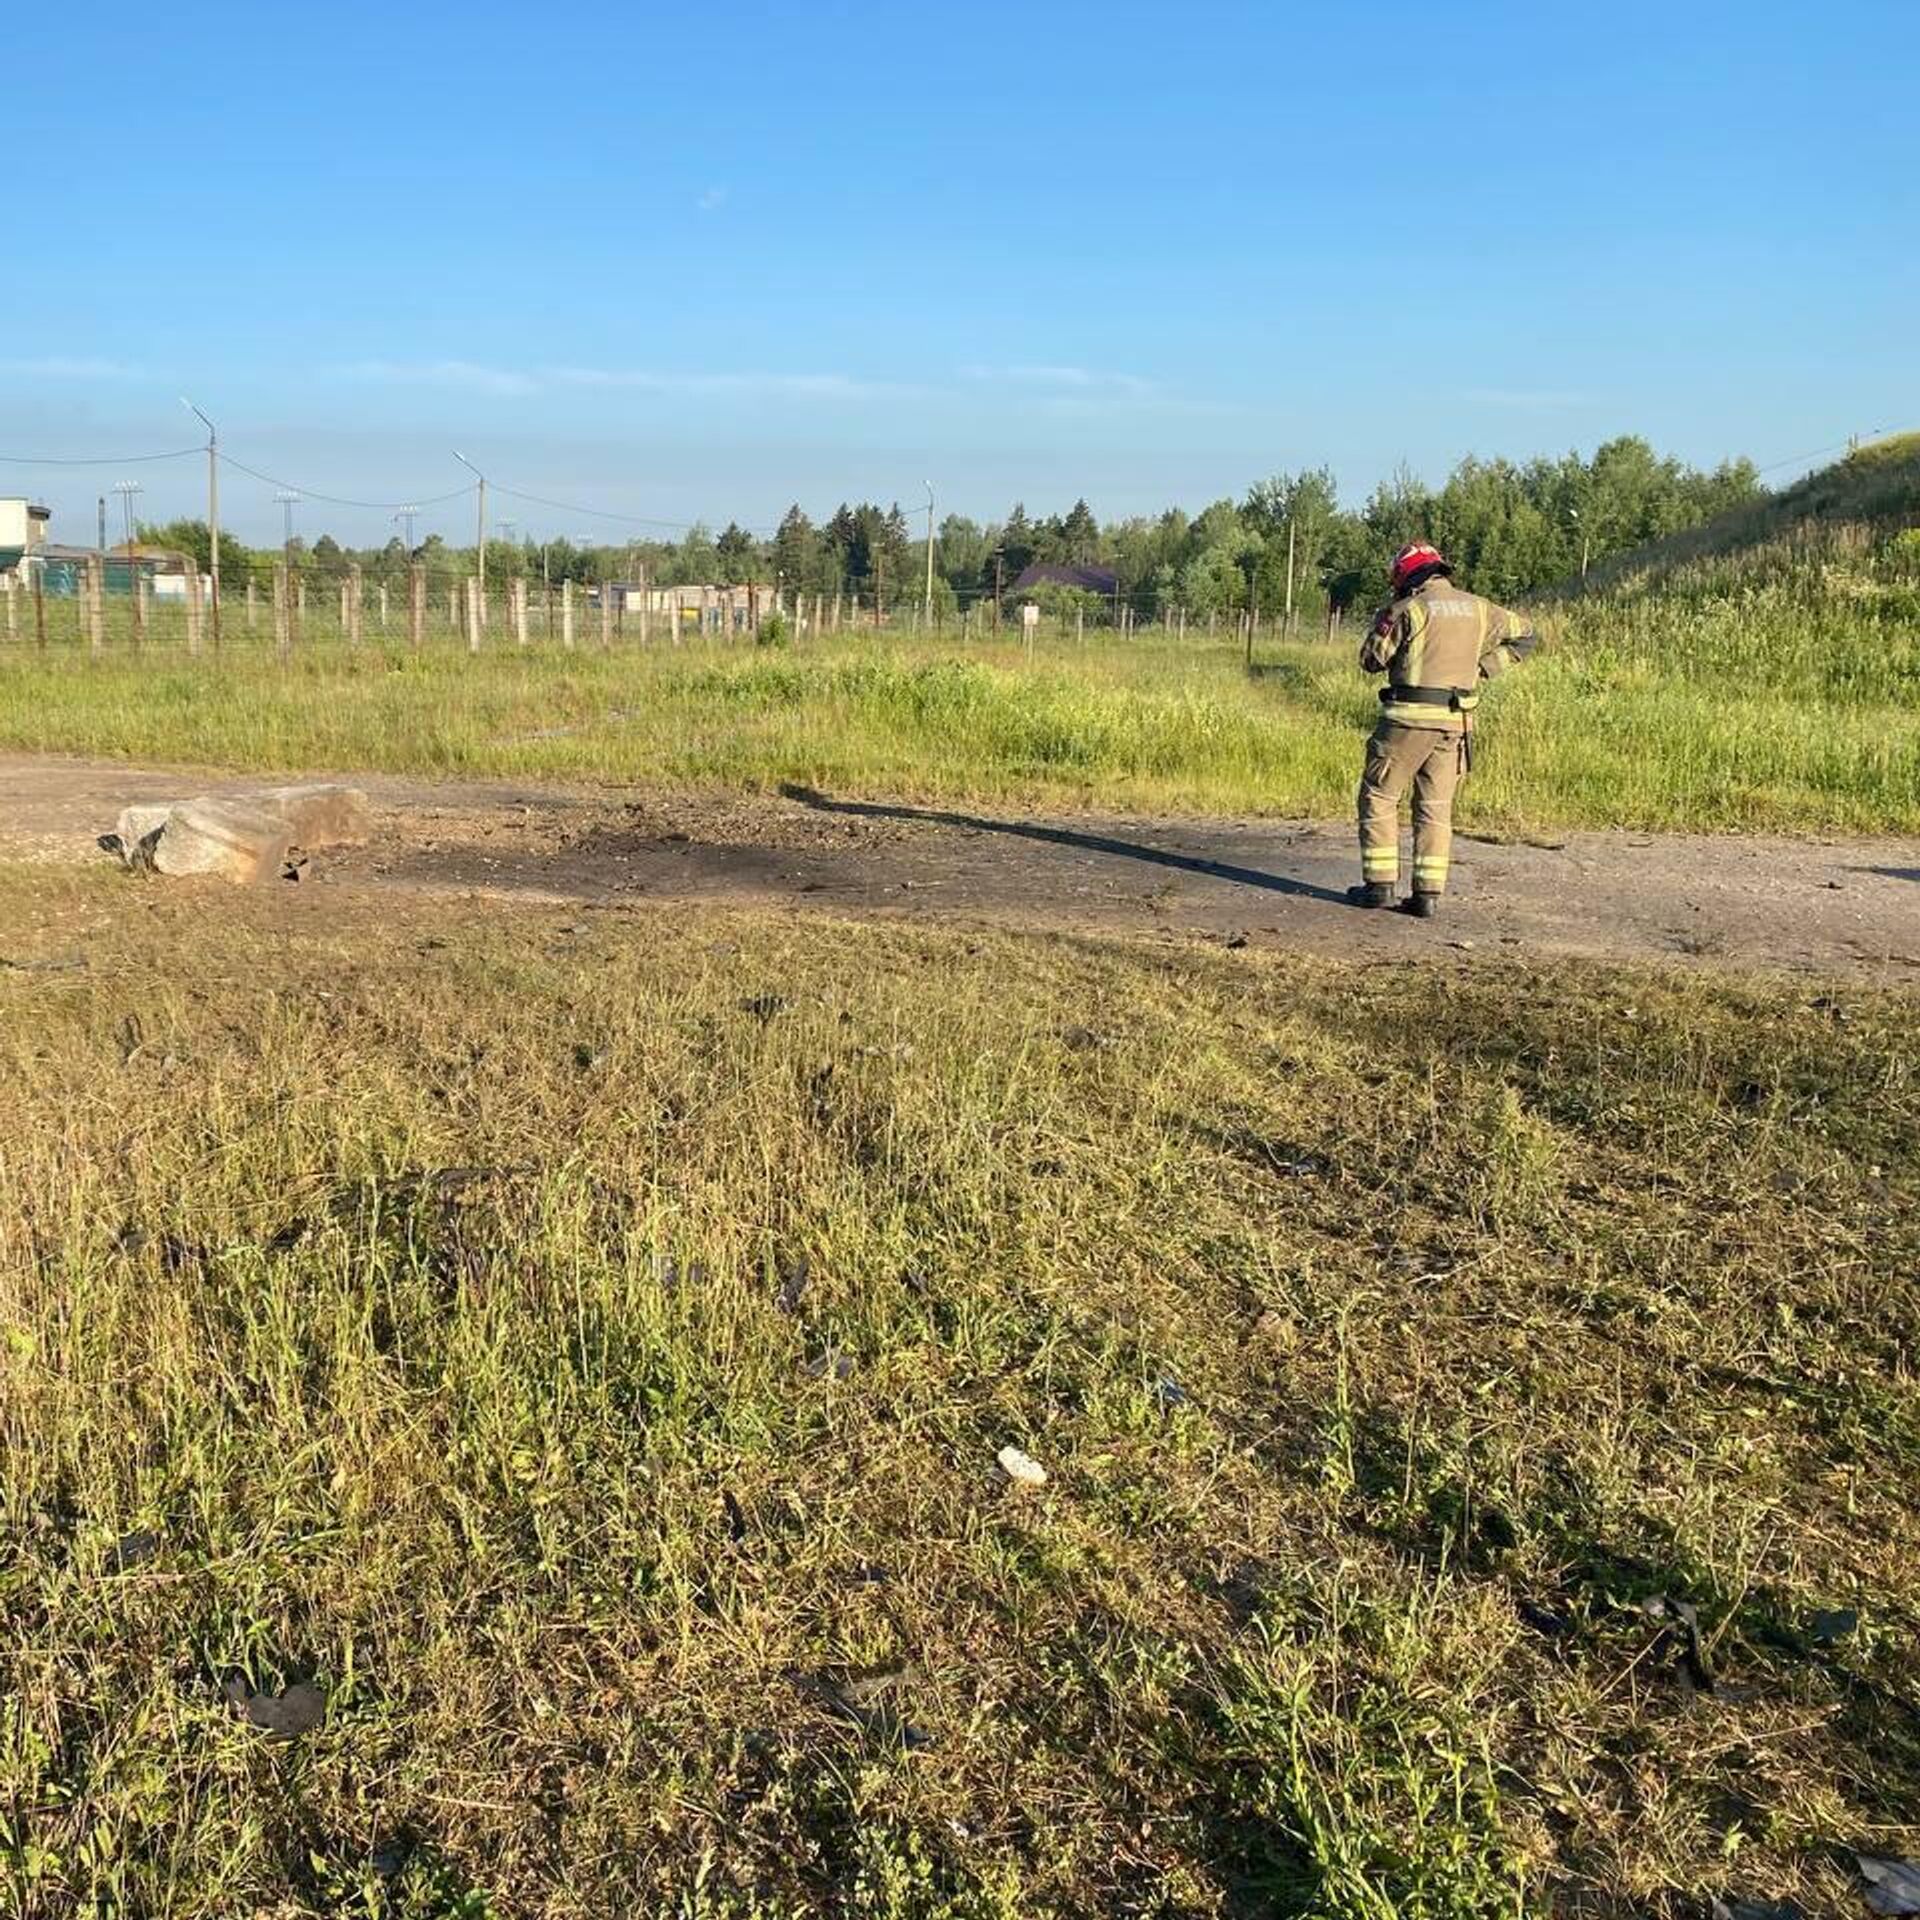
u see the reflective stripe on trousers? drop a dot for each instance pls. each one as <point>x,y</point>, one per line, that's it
<point>1430,761</point>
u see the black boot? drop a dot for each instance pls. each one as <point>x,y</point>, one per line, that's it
<point>1423,906</point>
<point>1375,893</point>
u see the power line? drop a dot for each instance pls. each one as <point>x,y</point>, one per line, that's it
<point>624,519</point>
<point>336,500</point>
<point>120,460</point>
<point>1794,459</point>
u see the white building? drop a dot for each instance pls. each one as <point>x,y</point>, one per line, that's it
<point>23,530</point>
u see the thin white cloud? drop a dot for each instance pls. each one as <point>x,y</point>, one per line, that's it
<point>712,200</point>
<point>790,386</point>
<point>471,377</point>
<point>64,367</point>
<point>1061,379</point>
<point>1530,399</point>
<point>465,375</point>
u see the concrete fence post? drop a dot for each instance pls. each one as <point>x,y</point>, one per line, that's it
<point>282,611</point>
<point>416,605</point>
<point>517,597</point>
<point>193,607</point>
<point>13,613</point>
<point>96,592</point>
<point>473,614</point>
<point>253,605</point>
<point>382,591</point>
<point>566,614</point>
<point>356,593</point>
<point>606,617</point>
<point>39,609</point>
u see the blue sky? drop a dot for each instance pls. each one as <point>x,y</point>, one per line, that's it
<point>690,264</point>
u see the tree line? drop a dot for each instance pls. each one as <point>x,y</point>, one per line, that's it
<point>1512,528</point>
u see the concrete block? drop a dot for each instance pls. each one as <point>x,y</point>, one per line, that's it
<point>320,815</point>
<point>230,838</point>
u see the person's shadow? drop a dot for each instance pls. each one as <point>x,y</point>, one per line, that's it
<point>1069,837</point>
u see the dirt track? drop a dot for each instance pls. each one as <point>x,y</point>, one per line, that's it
<point>1838,906</point>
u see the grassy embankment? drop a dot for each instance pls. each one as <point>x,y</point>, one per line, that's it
<point>1765,675</point>
<point>628,1496</point>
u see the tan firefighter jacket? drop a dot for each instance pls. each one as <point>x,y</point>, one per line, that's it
<point>1443,640</point>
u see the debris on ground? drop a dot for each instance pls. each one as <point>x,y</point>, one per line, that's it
<point>1893,1886</point>
<point>133,1550</point>
<point>287,1715</point>
<point>863,1699</point>
<point>1020,1469</point>
<point>1680,1633</point>
<point>246,838</point>
<point>792,1289</point>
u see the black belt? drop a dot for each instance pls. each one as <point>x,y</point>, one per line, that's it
<point>1425,697</point>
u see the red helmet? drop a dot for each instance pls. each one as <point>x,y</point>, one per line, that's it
<point>1418,558</point>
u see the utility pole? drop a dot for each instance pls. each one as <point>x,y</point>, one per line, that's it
<point>213,511</point>
<point>288,501</point>
<point>480,537</point>
<point>404,520</point>
<point>926,615</point>
<point>126,489</point>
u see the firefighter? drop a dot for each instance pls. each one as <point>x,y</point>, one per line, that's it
<point>1435,642</point>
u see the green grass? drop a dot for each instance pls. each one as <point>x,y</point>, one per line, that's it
<point>1759,674</point>
<point>1735,715</point>
<point>576,1478</point>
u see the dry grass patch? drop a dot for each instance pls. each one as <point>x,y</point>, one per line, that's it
<point>577,1346</point>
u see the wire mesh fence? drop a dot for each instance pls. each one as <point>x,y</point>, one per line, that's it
<point>119,603</point>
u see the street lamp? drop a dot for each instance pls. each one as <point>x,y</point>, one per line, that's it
<point>926,616</point>
<point>1586,541</point>
<point>213,510</point>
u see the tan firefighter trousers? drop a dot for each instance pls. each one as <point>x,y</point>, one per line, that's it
<point>1433,763</point>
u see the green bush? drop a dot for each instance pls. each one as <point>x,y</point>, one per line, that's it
<point>1903,551</point>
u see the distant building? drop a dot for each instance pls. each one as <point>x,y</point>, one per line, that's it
<point>23,531</point>
<point>736,609</point>
<point>164,570</point>
<point>1050,573</point>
